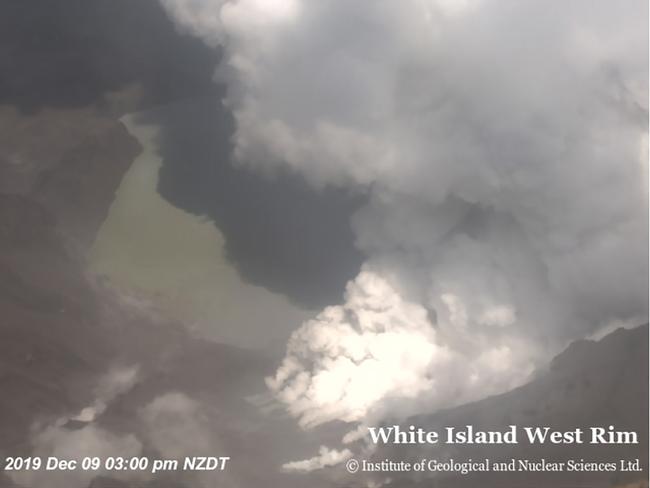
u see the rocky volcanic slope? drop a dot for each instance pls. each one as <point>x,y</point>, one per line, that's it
<point>69,70</point>
<point>590,384</point>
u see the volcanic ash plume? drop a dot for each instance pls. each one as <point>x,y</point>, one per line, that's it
<point>377,346</point>
<point>501,147</point>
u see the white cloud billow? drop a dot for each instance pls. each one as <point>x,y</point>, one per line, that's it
<point>502,148</point>
<point>90,441</point>
<point>325,458</point>
<point>376,347</point>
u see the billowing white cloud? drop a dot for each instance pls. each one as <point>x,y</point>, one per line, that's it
<point>353,360</point>
<point>60,441</point>
<point>502,146</point>
<point>178,426</point>
<point>117,381</point>
<point>90,441</point>
<point>325,458</point>
<point>175,426</point>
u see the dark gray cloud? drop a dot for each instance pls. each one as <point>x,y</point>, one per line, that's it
<point>276,228</point>
<point>72,54</point>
